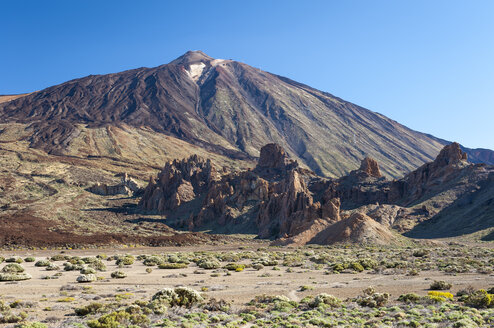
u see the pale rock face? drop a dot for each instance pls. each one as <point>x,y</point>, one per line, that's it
<point>195,71</point>
<point>127,186</point>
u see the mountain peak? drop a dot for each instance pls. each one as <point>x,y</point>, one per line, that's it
<point>193,57</point>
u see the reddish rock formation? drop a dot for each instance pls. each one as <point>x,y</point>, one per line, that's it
<point>430,176</point>
<point>370,166</point>
<point>272,156</point>
<point>179,182</point>
<point>280,200</point>
<point>450,155</point>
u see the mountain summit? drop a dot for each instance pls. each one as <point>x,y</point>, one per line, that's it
<point>226,107</point>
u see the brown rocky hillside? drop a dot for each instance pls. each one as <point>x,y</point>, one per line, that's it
<point>224,107</point>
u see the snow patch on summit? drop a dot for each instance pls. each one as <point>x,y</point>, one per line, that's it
<point>195,71</point>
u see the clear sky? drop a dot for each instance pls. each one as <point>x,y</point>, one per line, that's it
<point>427,64</point>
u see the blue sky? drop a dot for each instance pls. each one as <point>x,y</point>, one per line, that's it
<point>427,64</point>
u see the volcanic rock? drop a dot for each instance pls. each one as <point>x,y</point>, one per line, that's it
<point>179,182</point>
<point>359,229</point>
<point>279,200</point>
<point>272,156</point>
<point>370,167</point>
<point>127,186</point>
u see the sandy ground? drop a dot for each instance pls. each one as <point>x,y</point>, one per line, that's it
<point>239,287</point>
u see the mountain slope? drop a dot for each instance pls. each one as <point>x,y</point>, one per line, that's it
<point>225,107</point>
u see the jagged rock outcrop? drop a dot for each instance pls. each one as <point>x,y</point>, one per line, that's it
<point>179,182</point>
<point>280,200</point>
<point>274,197</point>
<point>370,167</point>
<point>127,186</point>
<point>428,177</point>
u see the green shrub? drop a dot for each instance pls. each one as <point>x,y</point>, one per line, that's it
<point>52,267</point>
<point>118,274</point>
<point>356,266</point>
<point>258,266</point>
<point>88,270</point>
<point>234,266</point>
<point>480,299</point>
<point>326,299</point>
<point>371,298</point>
<point>14,276</point>
<point>119,319</point>
<point>97,265</point>
<point>268,262</point>
<point>440,285</point>
<point>42,263</point>
<point>409,298</point>
<point>172,266</point>
<point>32,325</point>
<point>12,318</point>
<point>13,268</point>
<point>14,260</point>
<point>338,267</point>
<point>29,259</point>
<point>60,257</point>
<point>209,264</point>
<point>180,296</point>
<point>152,261</point>
<point>125,260</point>
<point>368,263</point>
<point>89,309</point>
<point>72,267</point>
<point>420,253</point>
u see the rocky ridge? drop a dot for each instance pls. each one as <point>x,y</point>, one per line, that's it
<point>280,200</point>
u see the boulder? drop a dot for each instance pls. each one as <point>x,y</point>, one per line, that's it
<point>127,186</point>
<point>370,167</point>
<point>272,156</point>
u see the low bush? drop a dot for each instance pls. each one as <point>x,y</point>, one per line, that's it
<point>91,308</point>
<point>180,296</point>
<point>326,299</point>
<point>125,260</point>
<point>118,274</point>
<point>119,319</point>
<point>86,278</point>
<point>444,295</point>
<point>14,276</point>
<point>371,298</point>
<point>440,285</point>
<point>209,264</point>
<point>12,268</point>
<point>88,270</point>
<point>409,298</point>
<point>31,325</point>
<point>234,266</point>
<point>172,266</point>
<point>42,263</point>
<point>480,299</point>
